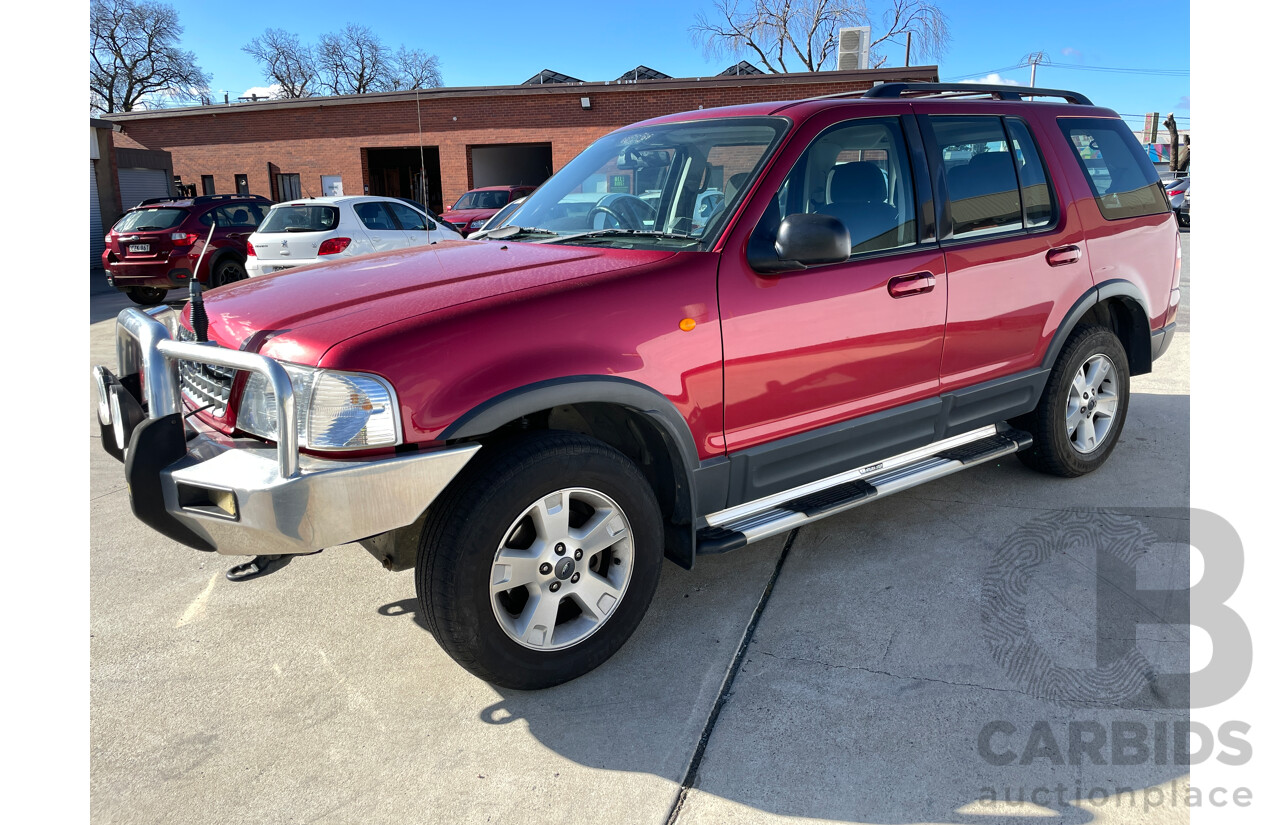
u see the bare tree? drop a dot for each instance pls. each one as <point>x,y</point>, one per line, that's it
<point>355,61</point>
<point>415,69</point>
<point>286,61</point>
<point>134,59</point>
<point>806,32</point>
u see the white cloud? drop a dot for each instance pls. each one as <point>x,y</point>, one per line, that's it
<point>272,91</point>
<point>994,79</point>
<point>1070,52</point>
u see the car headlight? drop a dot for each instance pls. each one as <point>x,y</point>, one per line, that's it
<point>477,223</point>
<point>336,410</point>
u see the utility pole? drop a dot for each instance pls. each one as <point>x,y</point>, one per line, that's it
<point>1172,125</point>
<point>1035,59</point>
<point>908,60</point>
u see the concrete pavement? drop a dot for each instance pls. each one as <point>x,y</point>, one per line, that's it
<point>314,694</point>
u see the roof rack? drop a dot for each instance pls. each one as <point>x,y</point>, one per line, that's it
<point>897,90</point>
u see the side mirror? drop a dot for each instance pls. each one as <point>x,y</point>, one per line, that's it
<point>804,240</point>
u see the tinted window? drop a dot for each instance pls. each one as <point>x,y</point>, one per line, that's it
<point>859,173</point>
<point>1124,183</point>
<point>981,178</point>
<point>409,218</point>
<point>300,218</point>
<point>1037,196</point>
<point>374,216</point>
<point>143,220</point>
<point>234,215</point>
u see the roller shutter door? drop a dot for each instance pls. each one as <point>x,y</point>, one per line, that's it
<point>136,185</point>
<point>95,222</point>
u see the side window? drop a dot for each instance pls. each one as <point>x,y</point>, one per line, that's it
<point>1037,196</point>
<point>858,172</point>
<point>374,216</point>
<point>1123,181</point>
<point>981,178</point>
<point>409,218</point>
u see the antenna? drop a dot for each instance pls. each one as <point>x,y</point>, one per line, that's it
<point>855,48</point>
<point>200,321</point>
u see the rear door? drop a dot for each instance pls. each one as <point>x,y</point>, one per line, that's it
<point>412,223</point>
<point>1015,248</point>
<point>383,232</point>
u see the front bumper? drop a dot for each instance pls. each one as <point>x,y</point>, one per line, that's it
<point>241,496</point>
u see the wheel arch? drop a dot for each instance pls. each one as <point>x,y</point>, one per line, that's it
<point>629,416</point>
<point>216,257</point>
<point>1118,305</point>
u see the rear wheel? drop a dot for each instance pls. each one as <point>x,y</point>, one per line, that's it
<point>540,560</point>
<point>228,272</point>
<point>147,296</point>
<point>1082,410</point>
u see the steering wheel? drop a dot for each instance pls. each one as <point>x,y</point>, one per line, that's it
<point>626,210</point>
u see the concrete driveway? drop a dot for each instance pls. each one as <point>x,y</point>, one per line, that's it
<point>862,669</point>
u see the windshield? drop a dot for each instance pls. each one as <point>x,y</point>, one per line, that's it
<point>492,199</point>
<point>144,220</point>
<point>300,218</point>
<point>653,186</point>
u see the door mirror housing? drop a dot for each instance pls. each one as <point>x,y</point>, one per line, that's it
<point>804,240</point>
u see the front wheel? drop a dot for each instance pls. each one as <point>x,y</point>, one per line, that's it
<point>540,560</point>
<point>1082,410</point>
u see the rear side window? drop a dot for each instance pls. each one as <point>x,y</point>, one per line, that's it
<point>1123,181</point>
<point>374,216</point>
<point>238,215</point>
<point>996,177</point>
<point>300,218</point>
<point>144,220</point>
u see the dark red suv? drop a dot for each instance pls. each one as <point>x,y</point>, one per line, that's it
<point>155,245</point>
<point>894,287</point>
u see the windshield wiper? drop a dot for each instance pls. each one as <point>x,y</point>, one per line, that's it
<point>502,233</point>
<point>634,233</point>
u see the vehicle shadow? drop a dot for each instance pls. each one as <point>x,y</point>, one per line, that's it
<point>883,683</point>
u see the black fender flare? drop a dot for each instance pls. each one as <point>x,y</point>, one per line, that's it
<point>1117,288</point>
<point>599,389</point>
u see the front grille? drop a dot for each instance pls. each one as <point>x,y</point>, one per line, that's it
<point>206,385</point>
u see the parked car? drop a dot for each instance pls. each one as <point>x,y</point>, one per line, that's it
<point>499,219</point>
<point>155,246</point>
<point>1179,191</point>
<point>899,287</point>
<point>303,232</point>
<point>475,207</point>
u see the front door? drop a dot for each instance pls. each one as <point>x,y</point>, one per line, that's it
<point>833,364</point>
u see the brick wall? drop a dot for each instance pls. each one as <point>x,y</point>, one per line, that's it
<point>326,136</point>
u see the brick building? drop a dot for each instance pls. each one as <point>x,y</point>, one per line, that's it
<point>468,137</point>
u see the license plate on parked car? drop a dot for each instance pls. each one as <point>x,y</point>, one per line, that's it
<point>139,247</point>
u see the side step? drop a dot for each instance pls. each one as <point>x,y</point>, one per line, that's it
<point>739,526</point>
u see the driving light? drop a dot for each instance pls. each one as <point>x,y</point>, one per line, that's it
<point>336,410</point>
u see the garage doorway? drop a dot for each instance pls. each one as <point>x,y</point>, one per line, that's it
<point>510,164</point>
<point>398,173</point>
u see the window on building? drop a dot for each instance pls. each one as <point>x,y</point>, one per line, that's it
<point>288,187</point>
<point>242,184</point>
<point>1124,183</point>
<point>858,172</point>
<point>206,185</point>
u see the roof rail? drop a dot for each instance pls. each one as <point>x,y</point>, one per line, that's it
<point>149,201</point>
<point>214,198</point>
<point>896,90</point>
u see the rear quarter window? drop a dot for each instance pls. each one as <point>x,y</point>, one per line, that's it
<point>1123,181</point>
<point>300,218</point>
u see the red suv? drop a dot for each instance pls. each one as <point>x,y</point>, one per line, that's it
<point>894,287</point>
<point>479,205</point>
<point>155,245</point>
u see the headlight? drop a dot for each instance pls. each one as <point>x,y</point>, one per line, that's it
<point>477,223</point>
<point>336,410</point>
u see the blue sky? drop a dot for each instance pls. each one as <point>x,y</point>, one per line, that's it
<point>499,42</point>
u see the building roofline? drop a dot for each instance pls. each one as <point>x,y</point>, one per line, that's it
<point>854,76</point>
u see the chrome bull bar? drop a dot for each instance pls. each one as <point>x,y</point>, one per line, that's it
<point>145,344</point>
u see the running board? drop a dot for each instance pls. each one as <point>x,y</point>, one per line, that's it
<point>739,526</point>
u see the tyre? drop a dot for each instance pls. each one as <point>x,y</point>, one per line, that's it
<point>1082,410</point>
<point>147,296</point>
<point>228,271</point>
<point>540,559</point>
